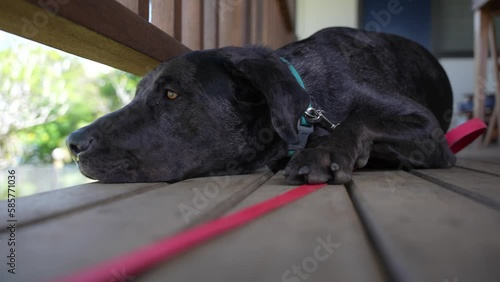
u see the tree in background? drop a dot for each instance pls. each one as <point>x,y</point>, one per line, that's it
<point>45,95</point>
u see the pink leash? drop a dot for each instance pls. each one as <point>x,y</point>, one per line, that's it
<point>144,258</point>
<point>462,135</point>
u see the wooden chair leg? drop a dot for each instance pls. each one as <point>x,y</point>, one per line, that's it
<point>496,79</point>
<point>482,19</point>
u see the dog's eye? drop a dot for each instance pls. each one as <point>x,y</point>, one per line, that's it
<point>171,95</point>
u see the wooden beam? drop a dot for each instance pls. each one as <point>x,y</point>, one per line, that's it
<point>99,30</point>
<point>143,9</point>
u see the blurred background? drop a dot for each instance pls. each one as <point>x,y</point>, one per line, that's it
<point>47,93</point>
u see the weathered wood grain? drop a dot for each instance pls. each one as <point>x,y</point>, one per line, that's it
<point>232,23</point>
<point>140,7</point>
<point>163,16</point>
<point>479,166</point>
<point>210,24</point>
<point>78,240</point>
<point>43,206</point>
<point>103,31</point>
<point>425,232</point>
<point>192,23</point>
<point>475,185</point>
<point>268,248</point>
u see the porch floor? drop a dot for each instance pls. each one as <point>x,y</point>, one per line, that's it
<point>424,225</point>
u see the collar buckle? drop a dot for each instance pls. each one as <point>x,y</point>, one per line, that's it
<point>304,132</point>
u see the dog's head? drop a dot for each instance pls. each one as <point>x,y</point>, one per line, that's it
<point>227,110</point>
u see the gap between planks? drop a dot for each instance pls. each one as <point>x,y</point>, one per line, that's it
<point>79,208</point>
<point>423,233</point>
<point>221,208</point>
<point>468,193</point>
<point>391,266</point>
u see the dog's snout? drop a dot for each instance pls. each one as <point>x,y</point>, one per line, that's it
<point>78,142</point>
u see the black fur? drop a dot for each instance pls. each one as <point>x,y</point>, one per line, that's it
<point>237,108</point>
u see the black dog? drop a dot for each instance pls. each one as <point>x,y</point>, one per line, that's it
<point>233,110</point>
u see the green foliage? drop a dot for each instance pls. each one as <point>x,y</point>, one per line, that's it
<point>47,94</point>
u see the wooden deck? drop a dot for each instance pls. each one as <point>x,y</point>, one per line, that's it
<point>426,225</point>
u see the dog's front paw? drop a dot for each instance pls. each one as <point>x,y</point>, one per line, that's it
<point>321,165</point>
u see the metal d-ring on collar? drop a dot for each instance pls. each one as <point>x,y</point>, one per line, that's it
<point>305,124</point>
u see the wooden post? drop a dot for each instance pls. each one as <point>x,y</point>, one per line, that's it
<point>191,24</point>
<point>232,19</point>
<point>210,24</point>
<point>482,19</point>
<point>163,15</point>
<point>495,115</point>
<point>256,22</point>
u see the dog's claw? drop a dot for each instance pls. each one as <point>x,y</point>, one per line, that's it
<point>303,170</point>
<point>334,167</point>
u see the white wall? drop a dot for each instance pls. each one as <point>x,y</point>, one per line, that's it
<point>461,74</point>
<point>313,15</point>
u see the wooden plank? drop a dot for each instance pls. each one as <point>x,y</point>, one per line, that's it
<point>256,22</point>
<point>490,154</point>
<point>191,24</point>
<point>162,13</point>
<point>210,24</point>
<point>90,236</point>
<point>479,166</point>
<point>43,206</point>
<point>111,34</point>
<point>267,23</point>
<point>269,248</point>
<point>425,232</point>
<point>481,187</point>
<point>232,19</point>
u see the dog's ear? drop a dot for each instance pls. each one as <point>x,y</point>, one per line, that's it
<point>269,75</point>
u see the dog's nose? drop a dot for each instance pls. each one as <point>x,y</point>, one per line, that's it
<point>78,142</point>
